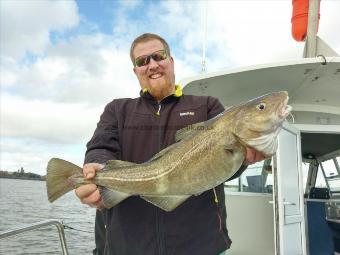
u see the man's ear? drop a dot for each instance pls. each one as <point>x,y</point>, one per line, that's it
<point>172,61</point>
<point>134,70</point>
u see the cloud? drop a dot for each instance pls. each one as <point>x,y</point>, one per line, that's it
<point>86,68</point>
<point>248,32</point>
<point>90,68</point>
<point>329,22</point>
<point>33,155</point>
<point>33,131</point>
<point>26,25</point>
<point>81,68</point>
<point>47,121</point>
<point>239,33</point>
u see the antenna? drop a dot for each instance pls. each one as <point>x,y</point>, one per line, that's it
<point>312,28</point>
<point>204,35</point>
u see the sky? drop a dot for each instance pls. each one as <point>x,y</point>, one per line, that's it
<point>63,61</point>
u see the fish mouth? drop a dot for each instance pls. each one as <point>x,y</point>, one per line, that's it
<point>285,109</point>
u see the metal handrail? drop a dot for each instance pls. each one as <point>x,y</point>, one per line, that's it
<point>40,224</point>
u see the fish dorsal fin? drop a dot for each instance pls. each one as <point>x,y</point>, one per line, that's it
<point>195,128</point>
<point>162,152</point>
<point>190,130</point>
<point>185,132</point>
<point>111,164</point>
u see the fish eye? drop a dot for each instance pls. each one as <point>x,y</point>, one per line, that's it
<point>261,106</point>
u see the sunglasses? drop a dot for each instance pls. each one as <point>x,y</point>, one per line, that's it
<point>145,59</point>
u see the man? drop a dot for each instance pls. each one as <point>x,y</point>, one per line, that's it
<point>135,130</point>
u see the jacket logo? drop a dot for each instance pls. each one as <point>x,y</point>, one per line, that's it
<point>186,114</point>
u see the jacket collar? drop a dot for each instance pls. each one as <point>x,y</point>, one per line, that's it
<point>178,93</point>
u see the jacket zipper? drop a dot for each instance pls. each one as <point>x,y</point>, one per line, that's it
<point>158,113</point>
<point>160,235</point>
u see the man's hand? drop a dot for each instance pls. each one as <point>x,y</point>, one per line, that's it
<point>89,194</point>
<point>253,156</point>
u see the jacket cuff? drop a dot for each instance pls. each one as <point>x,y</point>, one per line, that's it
<point>98,156</point>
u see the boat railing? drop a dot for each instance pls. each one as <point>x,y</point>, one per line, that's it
<point>37,225</point>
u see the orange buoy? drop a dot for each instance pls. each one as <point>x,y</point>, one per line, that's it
<point>300,19</point>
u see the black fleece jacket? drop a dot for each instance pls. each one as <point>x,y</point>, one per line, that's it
<point>134,130</point>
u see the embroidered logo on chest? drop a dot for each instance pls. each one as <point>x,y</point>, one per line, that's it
<point>181,114</point>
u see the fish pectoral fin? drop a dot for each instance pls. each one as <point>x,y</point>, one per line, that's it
<point>229,150</point>
<point>167,203</point>
<point>112,197</point>
<point>229,145</point>
<point>111,164</point>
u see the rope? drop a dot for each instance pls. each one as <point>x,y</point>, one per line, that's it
<point>215,196</point>
<point>324,59</point>
<point>79,230</point>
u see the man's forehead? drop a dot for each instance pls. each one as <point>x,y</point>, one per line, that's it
<point>147,47</point>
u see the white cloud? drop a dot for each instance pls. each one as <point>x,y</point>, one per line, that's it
<point>47,121</point>
<point>26,25</point>
<point>34,131</point>
<point>249,32</point>
<point>130,5</point>
<point>241,32</point>
<point>182,69</point>
<point>329,23</point>
<point>33,155</point>
<point>89,69</point>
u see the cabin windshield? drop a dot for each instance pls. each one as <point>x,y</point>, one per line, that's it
<point>258,178</point>
<point>329,175</point>
<point>320,168</point>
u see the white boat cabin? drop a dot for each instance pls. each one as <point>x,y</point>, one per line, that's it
<point>289,204</point>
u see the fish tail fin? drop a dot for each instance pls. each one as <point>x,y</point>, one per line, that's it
<point>57,178</point>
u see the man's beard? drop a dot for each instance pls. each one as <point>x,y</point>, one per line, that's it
<point>162,89</point>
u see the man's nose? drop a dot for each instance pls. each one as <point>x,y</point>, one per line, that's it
<point>153,64</point>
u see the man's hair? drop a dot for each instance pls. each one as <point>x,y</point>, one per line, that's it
<point>145,38</point>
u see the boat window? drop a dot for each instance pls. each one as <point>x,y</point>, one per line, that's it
<point>305,170</point>
<point>258,178</point>
<point>331,174</point>
<point>329,168</point>
<point>232,185</point>
<point>320,180</point>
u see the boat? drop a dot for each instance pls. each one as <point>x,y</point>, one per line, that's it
<point>270,200</point>
<point>289,204</point>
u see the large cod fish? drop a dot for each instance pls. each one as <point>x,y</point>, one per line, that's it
<point>205,155</point>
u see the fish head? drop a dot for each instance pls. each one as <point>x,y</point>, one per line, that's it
<point>259,121</point>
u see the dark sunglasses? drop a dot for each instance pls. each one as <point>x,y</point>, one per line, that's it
<point>145,59</point>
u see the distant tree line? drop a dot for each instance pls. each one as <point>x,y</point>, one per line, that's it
<point>20,174</point>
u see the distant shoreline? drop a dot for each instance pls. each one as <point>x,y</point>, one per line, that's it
<point>21,178</point>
